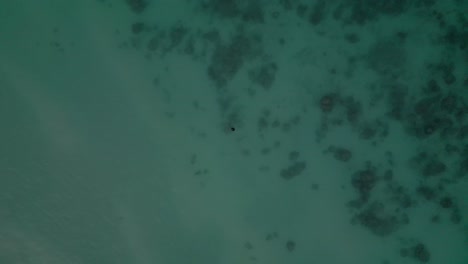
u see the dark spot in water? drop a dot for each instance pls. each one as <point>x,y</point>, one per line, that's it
<point>433,168</point>
<point>352,38</point>
<point>363,181</point>
<point>449,103</point>
<point>290,245</point>
<point>138,27</point>
<point>426,192</point>
<point>317,13</point>
<point>421,253</point>
<point>248,245</point>
<point>446,202</point>
<point>293,170</point>
<point>327,103</point>
<point>377,222</point>
<point>342,154</point>
<point>137,6</point>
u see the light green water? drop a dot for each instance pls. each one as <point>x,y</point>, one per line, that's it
<point>224,131</point>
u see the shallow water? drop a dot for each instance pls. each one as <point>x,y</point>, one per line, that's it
<point>224,131</point>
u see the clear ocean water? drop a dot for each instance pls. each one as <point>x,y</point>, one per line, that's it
<point>234,131</point>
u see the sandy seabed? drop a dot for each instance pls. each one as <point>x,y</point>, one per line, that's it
<point>224,131</point>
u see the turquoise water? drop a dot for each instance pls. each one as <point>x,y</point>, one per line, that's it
<point>223,131</point>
